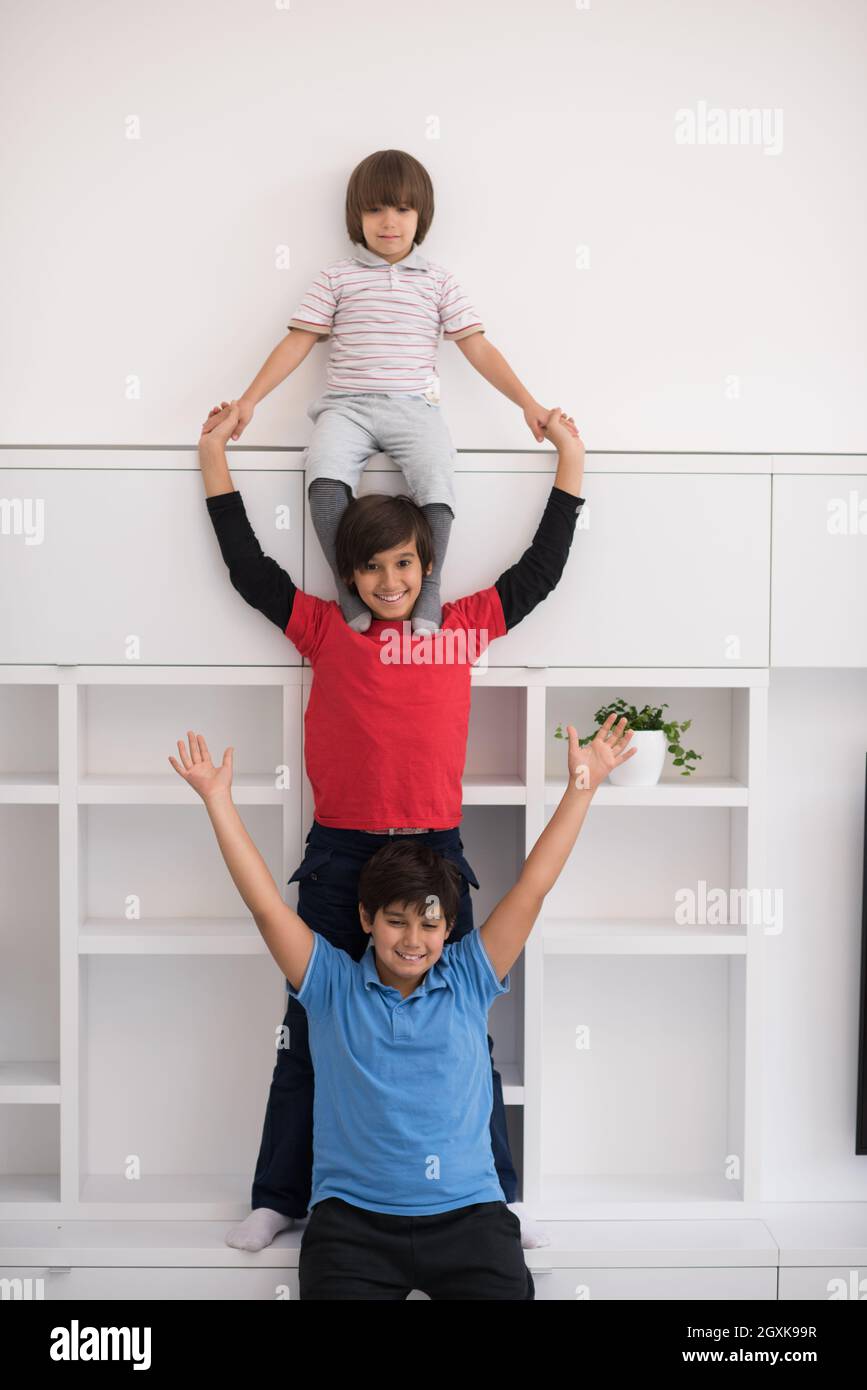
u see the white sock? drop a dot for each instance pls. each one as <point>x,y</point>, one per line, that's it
<point>259,1228</point>
<point>532,1234</point>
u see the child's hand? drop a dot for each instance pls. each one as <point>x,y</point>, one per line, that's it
<point>590,765</point>
<point>212,442</point>
<point>560,428</point>
<point>245,415</point>
<point>198,769</point>
<point>536,416</point>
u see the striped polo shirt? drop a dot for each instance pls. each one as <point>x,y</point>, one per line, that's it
<point>385,320</point>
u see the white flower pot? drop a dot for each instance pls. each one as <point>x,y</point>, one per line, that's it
<point>644,768</point>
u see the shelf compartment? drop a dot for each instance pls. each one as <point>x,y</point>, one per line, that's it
<point>510,1075</point>
<point>164,936</point>
<point>159,1077</point>
<point>651,1108</point>
<point>669,791</point>
<point>202,1196</point>
<point>636,936</point>
<point>29,946</point>
<point>635,864</point>
<point>495,771</point>
<point>565,1191</point>
<point>168,789</point>
<point>29,1152</point>
<point>28,788</point>
<point>493,789</point>
<point>30,1083</point>
<point>18,1190</point>
<point>127,732</point>
<point>719,732</point>
<point>493,840</point>
<point>166,864</point>
<point>28,743</point>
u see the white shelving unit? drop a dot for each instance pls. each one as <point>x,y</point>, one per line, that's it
<point>93,742</point>
<point>660,1102</point>
<point>137,1002</point>
<point>124,1120</point>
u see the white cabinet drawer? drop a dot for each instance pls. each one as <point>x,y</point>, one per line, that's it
<point>638,1283</point>
<point>828,1283</point>
<point>111,1282</point>
<point>130,1283</point>
<point>131,553</point>
<point>672,570</point>
<point>127,1283</point>
<point>819,596</point>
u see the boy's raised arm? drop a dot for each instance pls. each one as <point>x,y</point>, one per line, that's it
<point>287,937</point>
<point>287,355</point>
<point>531,579</point>
<point>506,930</point>
<point>257,577</point>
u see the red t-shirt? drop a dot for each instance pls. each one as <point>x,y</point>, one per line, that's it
<point>385,731</point>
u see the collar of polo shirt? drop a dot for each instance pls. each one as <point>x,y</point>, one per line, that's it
<point>370,974</point>
<point>414,261</point>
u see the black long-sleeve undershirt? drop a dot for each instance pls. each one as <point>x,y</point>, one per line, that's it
<point>266,586</point>
<point>539,569</point>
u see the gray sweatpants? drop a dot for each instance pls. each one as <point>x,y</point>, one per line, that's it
<point>350,426</point>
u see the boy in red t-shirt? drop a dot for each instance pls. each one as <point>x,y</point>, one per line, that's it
<point>385,746</point>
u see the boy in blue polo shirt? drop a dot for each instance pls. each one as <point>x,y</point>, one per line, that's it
<point>405,1192</point>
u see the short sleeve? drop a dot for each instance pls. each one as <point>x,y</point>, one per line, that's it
<point>480,616</point>
<point>457,315</point>
<point>309,622</point>
<point>315,311</point>
<point>475,976</point>
<point>327,973</point>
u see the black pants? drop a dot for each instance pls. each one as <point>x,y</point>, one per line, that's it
<point>472,1252</point>
<point>328,902</point>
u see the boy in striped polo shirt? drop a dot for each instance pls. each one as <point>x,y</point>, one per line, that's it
<point>383,309</point>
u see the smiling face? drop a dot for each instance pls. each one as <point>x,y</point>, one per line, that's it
<point>407,942</point>
<point>390,231</point>
<point>390,582</point>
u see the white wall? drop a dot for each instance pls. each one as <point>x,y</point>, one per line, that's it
<point>152,264</point>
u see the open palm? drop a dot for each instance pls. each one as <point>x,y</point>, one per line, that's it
<point>198,769</point>
<point>590,765</point>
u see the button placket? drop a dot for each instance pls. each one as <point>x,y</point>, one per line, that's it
<point>400,1023</point>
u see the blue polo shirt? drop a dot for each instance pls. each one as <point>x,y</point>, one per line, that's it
<point>403,1094</point>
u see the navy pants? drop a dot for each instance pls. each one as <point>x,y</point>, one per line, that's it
<point>328,902</point>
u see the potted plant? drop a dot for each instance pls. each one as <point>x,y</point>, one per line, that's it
<point>652,737</point>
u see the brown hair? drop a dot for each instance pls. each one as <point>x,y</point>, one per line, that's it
<point>387,179</point>
<point>378,522</point>
<point>410,874</point>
